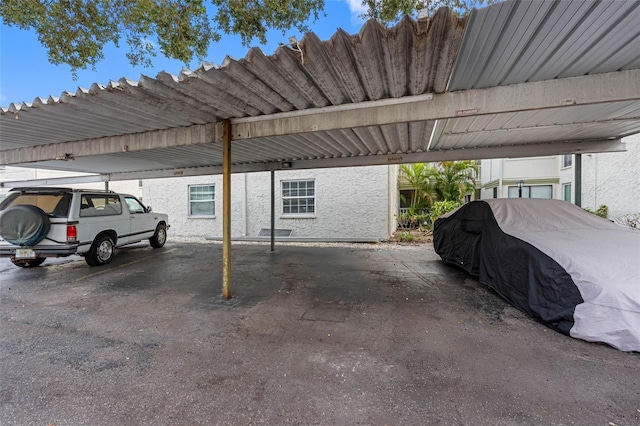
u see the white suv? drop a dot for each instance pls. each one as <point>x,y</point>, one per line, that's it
<point>36,223</point>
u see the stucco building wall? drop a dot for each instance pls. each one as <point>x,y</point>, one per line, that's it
<point>10,174</point>
<point>613,179</point>
<point>497,175</point>
<point>350,203</point>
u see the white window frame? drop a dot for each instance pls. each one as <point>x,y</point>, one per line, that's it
<point>512,191</point>
<point>212,199</point>
<point>297,197</point>
<point>567,161</point>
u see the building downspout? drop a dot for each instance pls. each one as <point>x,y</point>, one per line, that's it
<point>578,179</point>
<point>392,191</point>
<point>246,207</point>
<point>595,181</point>
<point>500,189</point>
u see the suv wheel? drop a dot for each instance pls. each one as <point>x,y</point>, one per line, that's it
<point>101,251</point>
<point>159,237</point>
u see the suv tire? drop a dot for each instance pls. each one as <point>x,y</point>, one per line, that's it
<point>101,251</point>
<point>24,225</point>
<point>30,263</point>
<point>159,237</point>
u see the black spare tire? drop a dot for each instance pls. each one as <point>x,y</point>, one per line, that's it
<point>24,225</point>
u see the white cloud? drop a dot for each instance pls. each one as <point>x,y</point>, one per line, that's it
<point>356,8</point>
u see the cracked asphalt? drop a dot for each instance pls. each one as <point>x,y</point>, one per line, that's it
<point>358,335</point>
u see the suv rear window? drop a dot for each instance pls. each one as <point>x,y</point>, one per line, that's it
<point>56,205</point>
<point>100,205</point>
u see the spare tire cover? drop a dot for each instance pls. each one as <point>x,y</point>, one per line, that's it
<point>24,225</point>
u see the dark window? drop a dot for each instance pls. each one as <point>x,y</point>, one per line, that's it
<point>534,191</point>
<point>566,189</point>
<point>405,198</point>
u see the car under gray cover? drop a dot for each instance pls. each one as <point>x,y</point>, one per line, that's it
<point>574,271</point>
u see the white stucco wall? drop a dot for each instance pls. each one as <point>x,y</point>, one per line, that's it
<point>490,177</point>
<point>503,173</point>
<point>11,174</point>
<point>490,170</point>
<point>613,179</point>
<point>350,203</point>
<point>530,168</point>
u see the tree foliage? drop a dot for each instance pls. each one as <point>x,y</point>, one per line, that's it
<point>436,189</point>
<point>443,181</point>
<point>421,179</point>
<point>75,32</point>
<point>455,179</point>
<point>387,11</point>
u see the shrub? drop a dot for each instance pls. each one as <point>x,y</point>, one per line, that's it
<point>441,207</point>
<point>413,218</point>
<point>631,221</point>
<point>406,237</point>
<point>602,211</point>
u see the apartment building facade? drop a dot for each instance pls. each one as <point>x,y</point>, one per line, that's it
<point>611,179</point>
<point>354,203</point>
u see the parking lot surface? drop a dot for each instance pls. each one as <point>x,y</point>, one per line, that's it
<point>364,334</point>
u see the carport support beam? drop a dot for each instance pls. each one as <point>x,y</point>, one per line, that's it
<point>273,209</point>
<point>226,209</point>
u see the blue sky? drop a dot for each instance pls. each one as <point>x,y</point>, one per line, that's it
<point>25,72</point>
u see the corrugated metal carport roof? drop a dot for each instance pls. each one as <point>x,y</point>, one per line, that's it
<point>519,78</point>
<point>518,42</point>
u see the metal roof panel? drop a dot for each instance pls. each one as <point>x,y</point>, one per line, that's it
<point>530,40</point>
<point>504,44</point>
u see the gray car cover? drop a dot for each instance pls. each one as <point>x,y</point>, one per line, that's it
<point>573,270</point>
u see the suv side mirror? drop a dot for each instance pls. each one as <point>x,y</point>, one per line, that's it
<point>147,209</point>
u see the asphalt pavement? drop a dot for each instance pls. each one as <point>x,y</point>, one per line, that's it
<point>369,334</point>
